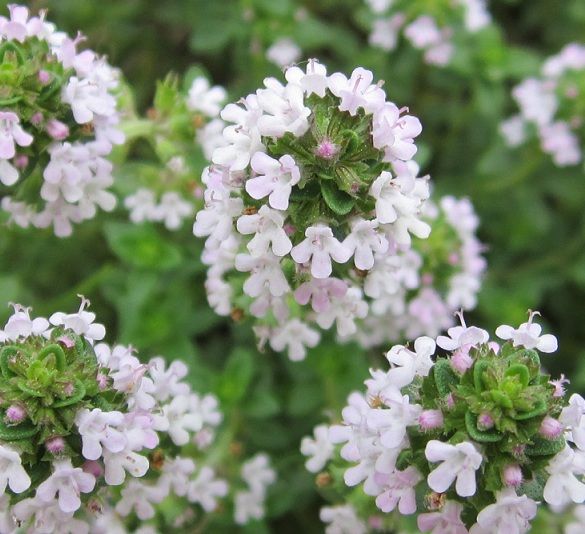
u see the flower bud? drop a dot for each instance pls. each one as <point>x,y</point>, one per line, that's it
<point>94,468</point>
<point>550,428</point>
<point>461,361</point>
<point>326,149</point>
<point>485,421</point>
<point>15,413</point>
<point>430,419</point>
<point>512,475</point>
<point>44,77</point>
<point>57,130</point>
<point>55,445</point>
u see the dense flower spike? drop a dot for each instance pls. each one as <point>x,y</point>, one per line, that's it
<point>81,418</point>
<point>58,122</point>
<point>480,444</point>
<point>551,108</point>
<point>314,188</point>
<point>168,191</point>
<point>431,28</point>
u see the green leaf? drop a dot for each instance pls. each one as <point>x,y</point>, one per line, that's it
<point>445,377</point>
<point>17,432</point>
<point>142,246</point>
<point>339,202</point>
<point>545,447</point>
<point>236,377</point>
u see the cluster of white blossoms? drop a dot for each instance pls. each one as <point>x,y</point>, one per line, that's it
<point>429,27</point>
<point>171,194</point>
<point>81,419</point>
<point>58,122</point>
<point>315,188</point>
<point>470,441</point>
<point>417,291</point>
<point>551,108</point>
<point>257,474</point>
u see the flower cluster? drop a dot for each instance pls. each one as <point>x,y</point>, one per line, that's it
<point>551,107</point>
<point>91,437</point>
<point>429,27</point>
<point>469,441</point>
<point>417,291</point>
<point>168,191</point>
<point>58,122</point>
<point>315,188</point>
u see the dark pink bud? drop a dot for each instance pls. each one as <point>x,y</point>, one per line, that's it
<point>102,381</point>
<point>57,130</point>
<point>326,149</point>
<point>450,401</point>
<point>15,413</point>
<point>427,279</point>
<point>485,421</point>
<point>550,428</point>
<point>66,341</point>
<point>494,346</point>
<point>453,258</point>
<point>21,161</point>
<point>461,360</point>
<point>37,118</point>
<point>198,192</point>
<point>94,468</point>
<point>289,229</point>
<point>512,475</point>
<point>375,522</point>
<point>44,77</point>
<point>430,419</point>
<point>55,445</point>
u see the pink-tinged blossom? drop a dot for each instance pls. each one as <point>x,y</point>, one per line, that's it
<point>275,179</point>
<point>319,449</point>
<point>267,227</point>
<point>459,462</point>
<point>319,247</point>
<point>394,132</point>
<point>364,241</point>
<point>342,519</point>
<point>551,428</point>
<point>446,521</point>
<point>12,134</point>
<point>528,336</point>
<point>344,312</point>
<point>399,491</point>
<point>512,475</point>
<point>561,143</point>
<point>247,506</point>
<point>12,474</point>
<point>177,419</point>
<point>559,385</point>
<point>295,336</point>
<point>312,81</point>
<point>536,100</point>
<point>205,489</point>
<point>176,474</point>
<point>82,322</point>
<point>258,473</point>
<point>283,52</point>
<point>284,109</point>
<point>385,31</point>
<point>204,98</point>
<point>138,497</point>
<point>97,430</point>
<point>20,325</point>
<point>167,380</point>
<point>391,423</point>
<point>67,483</point>
<point>357,92</point>
<point>265,272</point>
<point>510,513</point>
<point>562,486</point>
<point>320,292</point>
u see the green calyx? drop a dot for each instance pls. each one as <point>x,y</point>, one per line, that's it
<point>49,380</point>
<point>338,164</point>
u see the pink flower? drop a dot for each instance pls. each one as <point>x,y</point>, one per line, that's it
<point>448,520</point>
<point>399,490</point>
<point>320,292</point>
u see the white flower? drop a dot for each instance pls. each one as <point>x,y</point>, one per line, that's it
<point>527,335</point>
<point>167,381</point>
<point>216,219</point>
<point>266,225</point>
<point>390,201</point>
<point>258,474</point>
<point>205,489</point>
<point>394,133</point>
<point>391,423</point>
<point>562,486</point>
<point>423,32</point>
<point>514,130</point>
<point>68,482</point>
<point>284,108</point>
<point>248,505</point>
<point>116,465</point>
<point>342,520</point>
<point>320,449</point>
<point>275,179</point>
<point>319,247</point>
<point>459,462</point>
<point>536,100</point>
<point>445,521</point>
<point>463,336</point>
<point>407,364</point>
<point>294,335</point>
<point>344,311</point>
<point>266,272</point>
<point>82,322</point>
<point>384,32</point>
<point>313,81</point>
<point>177,419</point>
<point>138,497</point>
<point>11,134</point>
<point>364,241</point>
<point>172,210</point>
<point>96,429</point>
<point>20,324</point>
<point>176,473</point>
<point>88,98</point>
<point>357,92</point>
<point>12,474</point>
<point>573,418</point>
<point>283,52</point>
<point>202,97</point>
<point>510,514</point>
<point>399,490</point>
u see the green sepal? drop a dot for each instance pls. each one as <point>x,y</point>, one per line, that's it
<point>520,371</point>
<point>5,354</point>
<point>56,351</point>
<point>483,436</point>
<point>22,384</point>
<point>501,398</point>
<point>540,409</point>
<point>338,201</point>
<point>445,377</point>
<point>78,394</point>
<point>545,447</point>
<point>478,369</point>
<point>16,432</point>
